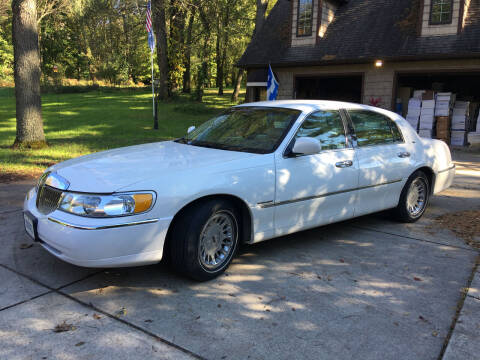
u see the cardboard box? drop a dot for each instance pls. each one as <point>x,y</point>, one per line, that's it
<point>413,121</point>
<point>459,122</point>
<point>425,133</point>
<point>443,124</point>
<point>474,139</point>
<point>458,138</point>
<point>442,112</point>
<point>417,94</point>
<point>429,104</point>
<point>427,111</point>
<point>414,102</point>
<point>428,95</point>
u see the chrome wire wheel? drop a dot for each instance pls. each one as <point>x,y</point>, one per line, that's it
<point>217,240</point>
<point>417,197</point>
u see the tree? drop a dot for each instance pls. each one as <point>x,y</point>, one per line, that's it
<point>27,75</point>
<point>262,6</point>
<point>187,77</point>
<point>160,29</point>
<point>238,83</point>
<point>205,13</point>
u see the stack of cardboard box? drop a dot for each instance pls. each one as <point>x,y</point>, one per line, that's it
<point>413,115</point>
<point>474,136</point>
<point>443,128</point>
<point>460,123</point>
<point>444,103</point>
<point>427,114</point>
<point>443,106</point>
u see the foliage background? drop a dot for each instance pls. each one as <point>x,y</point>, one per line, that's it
<point>105,42</point>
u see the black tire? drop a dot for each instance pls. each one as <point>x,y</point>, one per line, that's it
<point>402,212</point>
<point>185,242</point>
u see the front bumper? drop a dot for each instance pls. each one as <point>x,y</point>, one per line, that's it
<point>91,242</point>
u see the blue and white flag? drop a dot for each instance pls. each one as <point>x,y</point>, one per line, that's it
<point>148,25</point>
<point>272,85</point>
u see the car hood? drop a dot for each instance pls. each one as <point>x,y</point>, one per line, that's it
<point>108,171</point>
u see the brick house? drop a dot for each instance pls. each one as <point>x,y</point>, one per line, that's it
<point>367,50</point>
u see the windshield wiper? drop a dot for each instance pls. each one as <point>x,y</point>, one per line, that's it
<point>182,140</point>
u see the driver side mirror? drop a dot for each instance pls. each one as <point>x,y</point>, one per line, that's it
<point>190,129</point>
<point>305,146</point>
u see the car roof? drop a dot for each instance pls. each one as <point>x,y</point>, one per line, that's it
<point>312,105</point>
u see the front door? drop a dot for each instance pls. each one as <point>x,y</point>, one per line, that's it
<point>317,189</point>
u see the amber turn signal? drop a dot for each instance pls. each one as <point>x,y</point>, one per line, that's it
<point>143,202</point>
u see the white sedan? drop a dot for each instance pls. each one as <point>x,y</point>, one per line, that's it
<point>253,173</point>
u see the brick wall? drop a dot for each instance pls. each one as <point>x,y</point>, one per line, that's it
<point>378,82</point>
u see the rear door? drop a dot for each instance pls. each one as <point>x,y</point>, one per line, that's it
<point>313,190</point>
<point>384,160</point>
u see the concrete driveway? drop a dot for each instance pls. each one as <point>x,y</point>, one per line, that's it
<point>368,288</point>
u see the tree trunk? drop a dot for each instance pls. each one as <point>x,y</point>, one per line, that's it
<point>187,82</point>
<point>203,77</point>
<point>262,6</point>
<point>238,84</point>
<point>223,59</point>
<point>27,75</point>
<point>176,45</point>
<point>218,58</point>
<point>126,32</point>
<point>159,24</point>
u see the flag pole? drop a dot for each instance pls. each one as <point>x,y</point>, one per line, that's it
<point>153,86</point>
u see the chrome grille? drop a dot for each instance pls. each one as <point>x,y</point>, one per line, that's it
<point>48,199</point>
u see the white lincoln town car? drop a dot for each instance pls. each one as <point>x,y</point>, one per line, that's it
<point>255,172</point>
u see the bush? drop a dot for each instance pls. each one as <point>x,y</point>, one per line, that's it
<point>60,89</point>
<point>193,108</point>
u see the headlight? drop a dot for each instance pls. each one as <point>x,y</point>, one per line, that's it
<point>106,205</point>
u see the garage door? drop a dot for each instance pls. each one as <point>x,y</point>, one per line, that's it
<point>464,84</point>
<point>341,88</point>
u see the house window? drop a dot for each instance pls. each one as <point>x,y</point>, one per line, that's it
<point>305,17</point>
<point>441,12</point>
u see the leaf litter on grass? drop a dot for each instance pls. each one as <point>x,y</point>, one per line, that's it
<point>465,224</point>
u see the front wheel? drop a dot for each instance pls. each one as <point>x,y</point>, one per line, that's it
<point>205,239</point>
<point>414,198</point>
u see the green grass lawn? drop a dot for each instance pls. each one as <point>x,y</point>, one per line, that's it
<point>82,123</point>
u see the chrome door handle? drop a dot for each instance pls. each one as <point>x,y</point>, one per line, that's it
<point>403,154</point>
<point>344,164</point>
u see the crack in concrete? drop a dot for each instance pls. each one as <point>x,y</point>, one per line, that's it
<point>413,238</point>
<point>26,300</point>
<point>473,297</point>
<point>460,303</point>
<point>93,307</point>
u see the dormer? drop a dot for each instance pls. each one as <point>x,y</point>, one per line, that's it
<point>310,20</point>
<point>443,17</point>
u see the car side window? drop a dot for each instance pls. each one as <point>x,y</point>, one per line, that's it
<point>326,127</point>
<point>372,128</point>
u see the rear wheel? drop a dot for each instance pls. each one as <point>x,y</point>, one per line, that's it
<point>414,198</point>
<point>205,239</point>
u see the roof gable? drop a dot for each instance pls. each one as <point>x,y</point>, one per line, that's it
<point>361,31</point>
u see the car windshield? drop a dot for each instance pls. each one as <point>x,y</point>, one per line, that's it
<point>249,129</point>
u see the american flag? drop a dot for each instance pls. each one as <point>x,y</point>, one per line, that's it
<point>148,25</point>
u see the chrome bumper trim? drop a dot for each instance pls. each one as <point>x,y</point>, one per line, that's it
<point>102,227</point>
<point>450,168</point>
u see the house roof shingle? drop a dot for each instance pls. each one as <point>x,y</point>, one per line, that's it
<point>361,31</point>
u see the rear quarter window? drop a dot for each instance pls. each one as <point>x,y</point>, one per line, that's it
<point>372,128</point>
